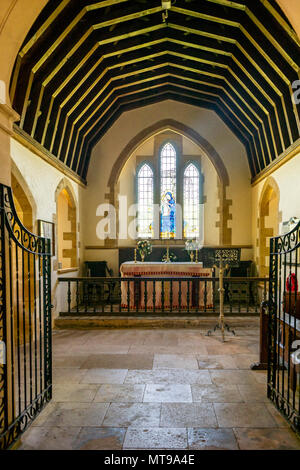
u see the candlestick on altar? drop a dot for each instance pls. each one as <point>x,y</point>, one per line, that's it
<point>168,256</point>
<point>135,255</point>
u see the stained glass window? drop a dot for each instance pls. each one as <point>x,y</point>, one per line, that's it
<point>168,191</point>
<point>145,202</point>
<point>191,223</point>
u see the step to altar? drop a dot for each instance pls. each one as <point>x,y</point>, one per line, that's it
<point>148,321</point>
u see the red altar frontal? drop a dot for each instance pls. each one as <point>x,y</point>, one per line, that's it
<point>187,294</point>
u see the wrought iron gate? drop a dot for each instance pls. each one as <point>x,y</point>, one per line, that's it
<point>25,323</point>
<point>284,326</point>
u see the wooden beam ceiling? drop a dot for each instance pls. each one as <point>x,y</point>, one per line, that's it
<point>83,64</point>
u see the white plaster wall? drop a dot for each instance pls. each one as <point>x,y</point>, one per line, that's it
<point>42,180</point>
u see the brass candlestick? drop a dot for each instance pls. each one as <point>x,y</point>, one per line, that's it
<point>168,255</point>
<point>135,255</point>
<point>222,257</point>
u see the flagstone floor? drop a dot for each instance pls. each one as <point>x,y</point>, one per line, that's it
<point>158,389</point>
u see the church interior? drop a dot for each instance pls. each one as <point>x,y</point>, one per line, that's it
<point>150,225</point>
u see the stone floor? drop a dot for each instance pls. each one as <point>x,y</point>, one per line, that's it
<point>158,389</point>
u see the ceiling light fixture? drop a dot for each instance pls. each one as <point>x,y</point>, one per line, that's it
<point>166,5</point>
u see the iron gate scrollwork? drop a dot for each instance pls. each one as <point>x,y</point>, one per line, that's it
<point>25,323</point>
<point>284,326</point>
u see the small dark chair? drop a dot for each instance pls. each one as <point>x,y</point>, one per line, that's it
<point>97,269</point>
<point>239,291</point>
<point>101,293</point>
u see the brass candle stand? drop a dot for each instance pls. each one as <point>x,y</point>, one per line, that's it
<point>168,251</point>
<point>224,257</point>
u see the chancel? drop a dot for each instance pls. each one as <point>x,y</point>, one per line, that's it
<point>149,194</point>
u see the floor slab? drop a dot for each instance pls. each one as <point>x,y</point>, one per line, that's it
<point>156,438</point>
<point>104,376</point>
<point>132,414</point>
<point>74,392</point>
<point>118,361</point>
<point>216,394</point>
<point>175,361</point>
<point>76,414</point>
<point>50,438</point>
<point>211,439</point>
<point>248,415</point>
<point>267,439</point>
<point>168,393</point>
<point>188,415</point>
<point>99,438</point>
<point>119,393</point>
<point>179,376</point>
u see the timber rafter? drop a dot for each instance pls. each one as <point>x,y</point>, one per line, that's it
<point>83,63</point>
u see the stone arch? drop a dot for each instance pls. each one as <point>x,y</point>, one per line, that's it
<point>268,221</point>
<point>207,149</point>
<point>65,184</point>
<point>66,226</point>
<point>16,19</point>
<point>24,201</point>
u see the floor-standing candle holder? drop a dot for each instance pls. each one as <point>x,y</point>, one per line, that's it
<point>223,258</point>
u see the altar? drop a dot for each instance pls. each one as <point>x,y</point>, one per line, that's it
<point>155,294</point>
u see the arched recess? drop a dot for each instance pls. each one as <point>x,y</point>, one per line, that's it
<point>268,222</point>
<point>66,226</point>
<point>196,138</point>
<point>23,199</point>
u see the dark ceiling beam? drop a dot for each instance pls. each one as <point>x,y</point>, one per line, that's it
<point>138,94</point>
<point>90,112</point>
<point>80,64</point>
<point>128,105</point>
<point>37,114</point>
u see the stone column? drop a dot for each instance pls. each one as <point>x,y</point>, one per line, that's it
<point>7,118</point>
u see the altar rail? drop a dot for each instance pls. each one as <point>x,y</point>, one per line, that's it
<point>94,296</point>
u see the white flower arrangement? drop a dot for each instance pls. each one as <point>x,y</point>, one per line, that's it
<point>193,245</point>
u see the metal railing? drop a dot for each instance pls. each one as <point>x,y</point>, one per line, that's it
<point>156,296</point>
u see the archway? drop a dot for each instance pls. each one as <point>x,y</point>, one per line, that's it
<point>207,149</point>
<point>268,222</point>
<point>66,226</point>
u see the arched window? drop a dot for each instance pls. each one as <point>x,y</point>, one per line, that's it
<point>174,193</point>
<point>168,191</point>
<point>145,201</point>
<point>191,193</point>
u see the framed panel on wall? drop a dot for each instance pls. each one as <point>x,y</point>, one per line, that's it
<point>47,230</point>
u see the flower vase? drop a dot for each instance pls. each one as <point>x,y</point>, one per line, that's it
<point>142,257</point>
<point>192,256</point>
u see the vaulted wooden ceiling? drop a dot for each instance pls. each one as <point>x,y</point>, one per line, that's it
<point>83,64</point>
